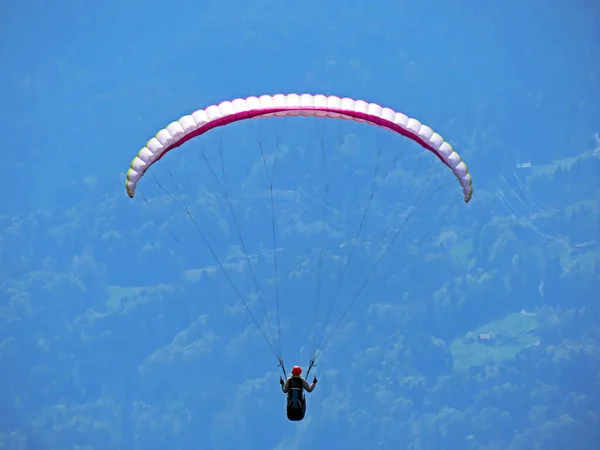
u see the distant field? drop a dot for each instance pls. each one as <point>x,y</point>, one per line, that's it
<point>119,294</point>
<point>511,334</point>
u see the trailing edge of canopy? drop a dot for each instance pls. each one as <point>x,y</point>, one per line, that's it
<point>280,105</point>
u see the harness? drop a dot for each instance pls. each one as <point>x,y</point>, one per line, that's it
<point>295,394</point>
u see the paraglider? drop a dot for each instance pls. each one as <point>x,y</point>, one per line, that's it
<point>294,387</point>
<point>285,105</point>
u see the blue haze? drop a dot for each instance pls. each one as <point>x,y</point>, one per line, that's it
<point>118,328</point>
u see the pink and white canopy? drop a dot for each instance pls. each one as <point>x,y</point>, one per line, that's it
<point>203,120</point>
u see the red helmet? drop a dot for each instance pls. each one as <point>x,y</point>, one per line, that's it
<point>296,371</point>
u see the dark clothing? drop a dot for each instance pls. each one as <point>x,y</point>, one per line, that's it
<point>299,382</point>
<point>296,402</point>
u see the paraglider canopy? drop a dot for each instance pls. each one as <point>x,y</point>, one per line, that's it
<point>281,105</point>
